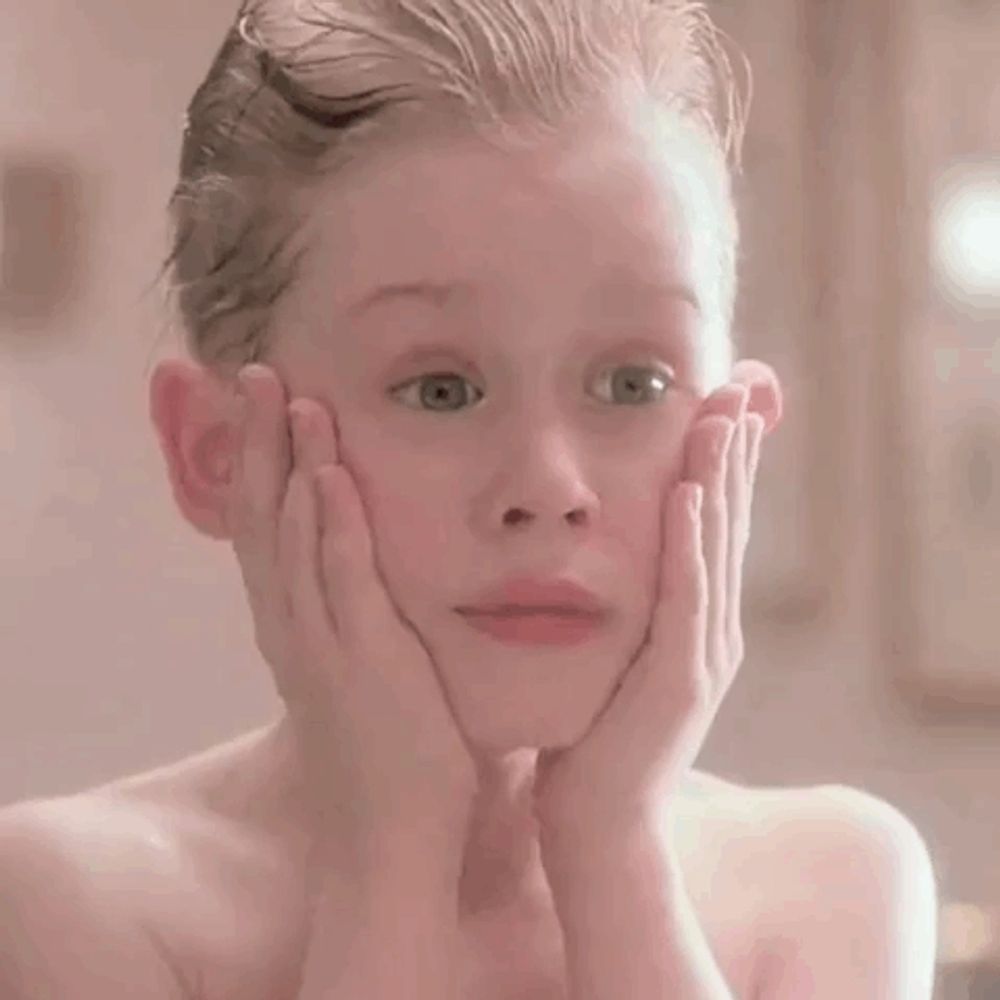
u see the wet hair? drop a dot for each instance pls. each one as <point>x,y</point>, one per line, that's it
<point>302,89</point>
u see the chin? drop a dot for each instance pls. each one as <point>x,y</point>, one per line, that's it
<point>496,737</point>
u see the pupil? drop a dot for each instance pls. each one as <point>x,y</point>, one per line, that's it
<point>439,394</point>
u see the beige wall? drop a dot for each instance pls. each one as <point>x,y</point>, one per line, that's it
<point>122,633</point>
<point>124,637</point>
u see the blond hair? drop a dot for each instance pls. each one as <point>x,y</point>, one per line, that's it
<point>301,88</point>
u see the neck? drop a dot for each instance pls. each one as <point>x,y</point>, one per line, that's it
<point>501,867</point>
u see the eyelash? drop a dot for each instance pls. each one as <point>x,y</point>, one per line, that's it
<point>661,373</point>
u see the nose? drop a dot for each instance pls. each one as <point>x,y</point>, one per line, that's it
<point>518,516</point>
<point>545,487</point>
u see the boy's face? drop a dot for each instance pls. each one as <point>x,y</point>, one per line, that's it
<point>563,268</point>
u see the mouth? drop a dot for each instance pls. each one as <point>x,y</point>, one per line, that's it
<point>510,611</point>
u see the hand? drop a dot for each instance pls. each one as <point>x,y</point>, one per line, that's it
<point>375,730</point>
<point>631,763</point>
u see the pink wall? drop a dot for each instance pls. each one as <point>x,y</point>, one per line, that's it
<point>123,634</point>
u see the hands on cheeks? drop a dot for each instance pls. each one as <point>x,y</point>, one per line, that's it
<point>633,760</point>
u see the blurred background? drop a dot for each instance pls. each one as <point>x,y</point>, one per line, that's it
<point>870,276</point>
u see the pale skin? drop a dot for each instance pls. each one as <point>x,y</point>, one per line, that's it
<point>534,238</point>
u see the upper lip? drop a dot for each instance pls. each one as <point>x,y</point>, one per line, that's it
<point>536,594</point>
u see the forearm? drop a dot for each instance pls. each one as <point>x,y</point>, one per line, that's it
<point>629,927</point>
<point>389,933</point>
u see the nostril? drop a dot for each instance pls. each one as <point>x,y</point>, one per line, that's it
<point>514,516</point>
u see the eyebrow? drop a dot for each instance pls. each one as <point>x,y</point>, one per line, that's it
<point>438,294</point>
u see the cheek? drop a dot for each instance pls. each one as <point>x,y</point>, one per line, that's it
<point>413,539</point>
<point>643,531</point>
<point>425,544</point>
<point>640,544</point>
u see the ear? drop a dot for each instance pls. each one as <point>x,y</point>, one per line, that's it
<point>196,416</point>
<point>765,391</point>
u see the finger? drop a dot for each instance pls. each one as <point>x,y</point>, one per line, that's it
<point>690,573</point>
<point>356,601</point>
<point>303,570</point>
<point>257,504</point>
<point>266,457</point>
<point>737,505</point>
<point>755,435</point>
<point>308,639</point>
<point>349,583</point>
<point>322,446</point>
<point>244,526</point>
<point>319,448</point>
<point>356,593</point>
<point>715,538</point>
<point>680,621</point>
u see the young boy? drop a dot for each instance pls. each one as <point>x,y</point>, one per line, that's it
<point>499,632</point>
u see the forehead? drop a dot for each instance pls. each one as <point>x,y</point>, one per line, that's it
<point>582,214</point>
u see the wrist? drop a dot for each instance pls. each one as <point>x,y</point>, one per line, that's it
<point>571,851</point>
<point>590,830</point>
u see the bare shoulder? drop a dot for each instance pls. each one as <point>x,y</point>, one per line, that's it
<point>106,846</point>
<point>805,815</point>
<point>810,821</point>
<point>800,830</point>
<point>839,867</point>
<point>170,880</point>
<point>829,838</point>
<point>121,851</point>
<point>56,906</point>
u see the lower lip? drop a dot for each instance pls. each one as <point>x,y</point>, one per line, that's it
<point>536,629</point>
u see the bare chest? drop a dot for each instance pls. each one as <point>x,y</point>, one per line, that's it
<point>238,924</point>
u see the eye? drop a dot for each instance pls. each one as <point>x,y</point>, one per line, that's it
<point>634,377</point>
<point>632,381</point>
<point>436,394</point>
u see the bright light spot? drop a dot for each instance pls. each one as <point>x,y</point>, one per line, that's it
<point>967,933</point>
<point>966,233</point>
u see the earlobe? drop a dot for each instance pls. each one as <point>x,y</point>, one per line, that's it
<point>195,418</point>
